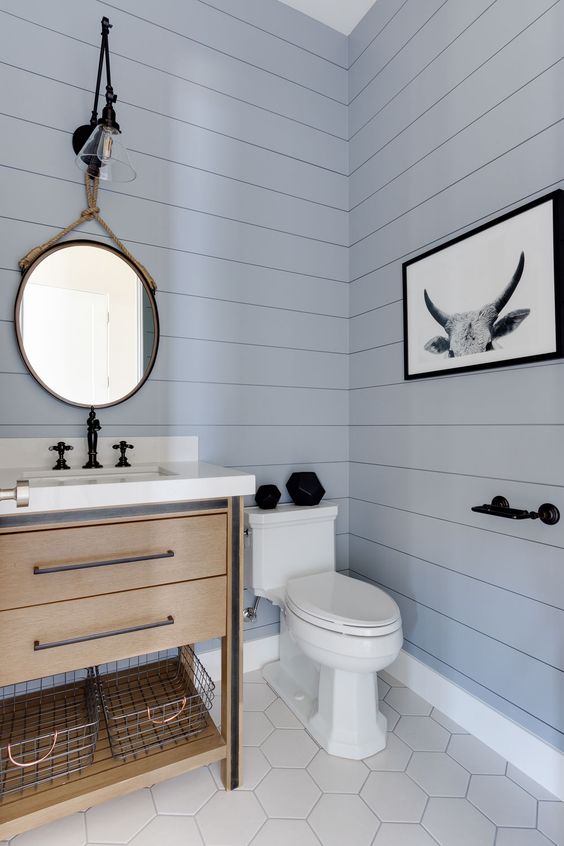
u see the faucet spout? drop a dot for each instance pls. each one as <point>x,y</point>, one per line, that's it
<point>93,426</point>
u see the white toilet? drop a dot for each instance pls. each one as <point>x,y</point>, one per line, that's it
<point>335,632</point>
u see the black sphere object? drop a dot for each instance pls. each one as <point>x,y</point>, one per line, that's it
<point>267,496</point>
<point>305,488</point>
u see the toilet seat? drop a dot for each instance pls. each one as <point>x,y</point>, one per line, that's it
<point>338,603</point>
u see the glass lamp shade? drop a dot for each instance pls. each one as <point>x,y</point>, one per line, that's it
<point>103,155</point>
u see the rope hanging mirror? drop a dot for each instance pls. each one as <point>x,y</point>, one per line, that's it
<point>86,316</point>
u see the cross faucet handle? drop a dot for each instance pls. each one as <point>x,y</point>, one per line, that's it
<point>123,446</point>
<point>60,448</point>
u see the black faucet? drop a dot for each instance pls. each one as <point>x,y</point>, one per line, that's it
<point>93,426</point>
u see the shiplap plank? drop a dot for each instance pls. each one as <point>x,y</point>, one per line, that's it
<point>161,402</point>
<point>52,201</point>
<point>528,111</point>
<point>514,67</point>
<point>187,317</point>
<point>514,620</point>
<point>187,274</point>
<point>220,362</point>
<point>141,47</point>
<point>372,26</point>
<point>175,185</point>
<point>402,43</point>
<point>479,195</point>
<point>524,396</point>
<point>208,35</point>
<point>529,454</point>
<point>507,33</point>
<point>157,91</point>
<point>372,89</point>
<point>164,138</point>
<point>451,497</point>
<point>290,25</point>
<point>531,569</point>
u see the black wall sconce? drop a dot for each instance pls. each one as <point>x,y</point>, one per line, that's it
<point>99,150</point>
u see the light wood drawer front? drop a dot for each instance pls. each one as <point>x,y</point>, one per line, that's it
<point>27,635</point>
<point>56,564</point>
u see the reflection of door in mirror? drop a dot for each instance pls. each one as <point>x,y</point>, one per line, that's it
<point>87,324</point>
<point>83,346</point>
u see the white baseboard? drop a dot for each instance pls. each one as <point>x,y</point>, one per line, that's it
<point>256,653</point>
<point>539,760</point>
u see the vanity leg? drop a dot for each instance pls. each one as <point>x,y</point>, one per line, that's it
<point>232,654</point>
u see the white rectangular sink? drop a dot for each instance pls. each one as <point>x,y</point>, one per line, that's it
<point>139,473</point>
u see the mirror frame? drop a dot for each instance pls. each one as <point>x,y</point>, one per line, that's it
<point>150,294</point>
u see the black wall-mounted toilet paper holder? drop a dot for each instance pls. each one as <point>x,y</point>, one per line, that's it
<point>499,507</point>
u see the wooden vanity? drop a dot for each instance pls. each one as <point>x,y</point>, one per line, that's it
<point>86,587</point>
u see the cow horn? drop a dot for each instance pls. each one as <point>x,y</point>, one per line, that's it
<point>502,301</point>
<point>439,315</point>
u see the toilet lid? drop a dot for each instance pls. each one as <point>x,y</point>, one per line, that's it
<point>342,601</point>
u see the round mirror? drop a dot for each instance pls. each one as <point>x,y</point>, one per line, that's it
<point>87,324</point>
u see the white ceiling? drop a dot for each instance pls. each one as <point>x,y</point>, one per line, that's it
<point>342,15</point>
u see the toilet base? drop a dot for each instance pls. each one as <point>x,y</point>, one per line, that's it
<point>344,718</point>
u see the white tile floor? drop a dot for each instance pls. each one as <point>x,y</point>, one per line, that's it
<point>433,784</point>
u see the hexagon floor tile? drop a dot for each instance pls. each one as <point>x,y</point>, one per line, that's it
<point>339,820</point>
<point>167,829</point>
<point>394,797</point>
<point>394,757</point>
<point>70,831</point>
<point>521,837</point>
<point>551,821</point>
<point>438,774</point>
<point>289,748</point>
<point>475,756</point>
<point>337,775</point>
<point>503,801</point>
<point>403,834</point>
<point>257,697</point>
<point>281,717</point>
<point>256,728</point>
<point>456,821</point>
<point>285,833</point>
<point>423,734</point>
<point>119,820</point>
<point>230,817</point>
<point>405,701</point>
<point>294,794</point>
<point>288,793</point>
<point>185,794</point>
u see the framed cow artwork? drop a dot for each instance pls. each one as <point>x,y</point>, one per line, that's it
<point>492,297</point>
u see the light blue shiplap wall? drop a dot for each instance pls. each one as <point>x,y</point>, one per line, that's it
<point>236,119</point>
<point>456,116</point>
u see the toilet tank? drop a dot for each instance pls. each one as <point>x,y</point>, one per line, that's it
<point>286,542</point>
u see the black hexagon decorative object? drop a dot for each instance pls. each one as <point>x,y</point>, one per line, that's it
<point>305,488</point>
<point>267,496</point>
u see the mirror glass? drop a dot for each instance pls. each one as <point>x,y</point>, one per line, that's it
<point>87,323</point>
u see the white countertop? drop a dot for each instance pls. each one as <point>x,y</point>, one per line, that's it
<point>145,482</point>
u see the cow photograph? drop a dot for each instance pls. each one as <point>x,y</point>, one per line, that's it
<point>488,298</point>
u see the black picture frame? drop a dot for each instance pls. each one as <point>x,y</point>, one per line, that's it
<point>465,329</point>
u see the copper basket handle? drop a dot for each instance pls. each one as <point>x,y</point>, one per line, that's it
<point>39,760</point>
<point>168,719</point>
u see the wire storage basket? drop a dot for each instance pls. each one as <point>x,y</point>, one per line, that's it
<point>153,701</point>
<point>48,729</point>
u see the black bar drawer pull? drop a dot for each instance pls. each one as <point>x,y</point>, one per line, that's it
<point>63,568</point>
<point>37,646</point>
